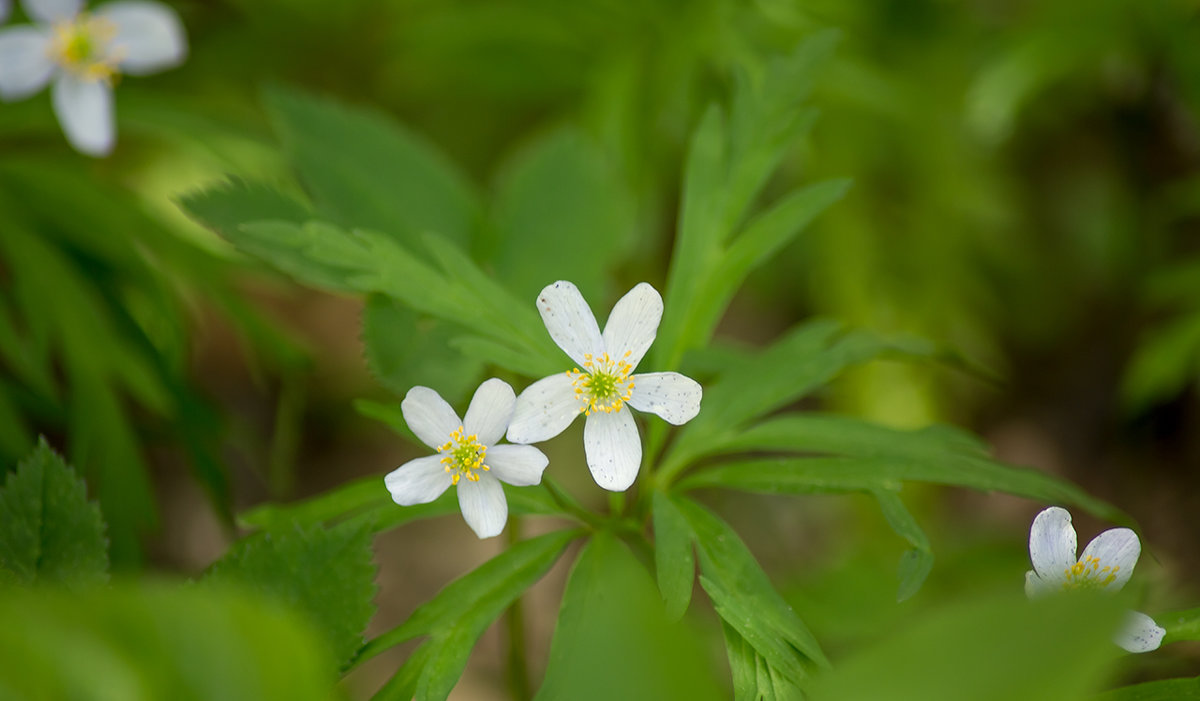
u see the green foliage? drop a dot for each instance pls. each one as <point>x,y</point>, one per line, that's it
<point>141,642</point>
<point>460,613</point>
<point>324,573</point>
<point>1180,625</point>
<point>612,639</point>
<point>1162,690</point>
<point>49,532</point>
<point>916,563</point>
<point>986,649</point>
<point>674,562</point>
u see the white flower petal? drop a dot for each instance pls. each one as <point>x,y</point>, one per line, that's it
<point>50,11</point>
<point>1117,548</point>
<point>428,416</point>
<point>633,323</point>
<point>670,395</point>
<point>418,481</point>
<point>518,465</point>
<point>1139,633</point>
<point>483,505</point>
<point>1036,587</point>
<point>613,449</point>
<point>85,111</point>
<point>25,65</point>
<point>569,320</point>
<point>149,38</point>
<point>1052,544</point>
<point>490,410</point>
<point>544,410</point>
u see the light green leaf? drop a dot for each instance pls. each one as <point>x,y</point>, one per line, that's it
<point>460,613</point>
<point>1162,690</point>
<point>1180,625</point>
<point>916,563</point>
<point>326,574</point>
<point>143,642</point>
<point>365,170</point>
<point>1054,650</point>
<point>49,532</point>
<point>613,640</point>
<point>674,563</point>
<point>560,213</point>
<point>744,597</point>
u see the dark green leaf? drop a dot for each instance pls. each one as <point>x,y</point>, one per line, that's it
<point>916,563</point>
<point>225,207</point>
<point>674,562</point>
<point>49,532</point>
<point>326,574</point>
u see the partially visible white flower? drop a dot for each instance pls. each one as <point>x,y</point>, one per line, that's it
<point>467,455</point>
<point>1105,565</point>
<point>81,54</point>
<point>606,384</point>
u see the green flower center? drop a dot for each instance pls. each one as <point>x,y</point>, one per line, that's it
<point>81,46</point>
<point>463,456</point>
<point>604,384</point>
<point>1088,574</point>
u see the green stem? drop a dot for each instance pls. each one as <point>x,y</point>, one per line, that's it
<point>518,669</point>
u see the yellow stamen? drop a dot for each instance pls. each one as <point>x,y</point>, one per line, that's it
<point>83,47</point>
<point>1088,574</point>
<point>604,384</point>
<point>464,456</point>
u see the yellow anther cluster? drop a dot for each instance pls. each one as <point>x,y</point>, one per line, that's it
<point>603,384</point>
<point>464,455</point>
<point>1088,574</point>
<point>82,47</point>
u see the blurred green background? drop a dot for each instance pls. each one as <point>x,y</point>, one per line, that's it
<point>1025,193</point>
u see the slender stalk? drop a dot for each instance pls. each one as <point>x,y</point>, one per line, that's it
<point>518,668</point>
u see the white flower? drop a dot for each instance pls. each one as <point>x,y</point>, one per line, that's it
<point>1106,564</point>
<point>466,449</point>
<point>605,384</point>
<point>82,54</point>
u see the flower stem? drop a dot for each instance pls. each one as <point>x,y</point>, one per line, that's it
<point>518,669</point>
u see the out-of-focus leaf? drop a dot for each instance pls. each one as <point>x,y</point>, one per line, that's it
<point>916,563</point>
<point>460,613</point>
<point>143,642</point>
<point>1165,361</point>
<point>364,170</point>
<point>612,619</point>
<point>1162,690</point>
<point>1180,625</point>
<point>986,650</point>
<point>49,532</point>
<point>834,475</point>
<point>674,562</point>
<point>560,213</point>
<point>745,599</point>
<point>227,206</point>
<point>325,573</point>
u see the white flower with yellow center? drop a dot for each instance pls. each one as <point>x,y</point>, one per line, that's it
<point>467,455</point>
<point>82,54</point>
<point>602,386</point>
<point>1106,565</point>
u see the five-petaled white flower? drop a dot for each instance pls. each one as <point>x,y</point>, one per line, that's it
<point>83,53</point>
<point>606,384</point>
<point>1106,564</point>
<point>467,455</point>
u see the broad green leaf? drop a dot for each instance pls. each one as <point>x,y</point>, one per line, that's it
<point>1164,361</point>
<point>326,574</point>
<point>1162,690</point>
<point>403,684</point>
<point>834,475</point>
<point>613,640</point>
<point>404,350</point>
<point>461,612</point>
<point>560,213</point>
<point>745,598</point>
<point>314,253</point>
<point>674,562</point>
<point>149,641</point>
<point>986,650</point>
<point>1180,625</point>
<point>364,170</point>
<point>225,207</point>
<point>916,563</point>
<point>49,532</point>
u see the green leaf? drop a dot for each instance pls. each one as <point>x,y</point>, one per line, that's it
<point>1180,625</point>
<point>365,170</point>
<point>835,475</point>
<point>613,640</point>
<point>674,562</point>
<point>1162,690</point>
<point>143,641</point>
<point>560,213</point>
<point>916,563</point>
<point>49,532</point>
<point>225,207</point>
<point>326,574</point>
<point>985,650</point>
<point>460,613</point>
<point>745,599</point>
